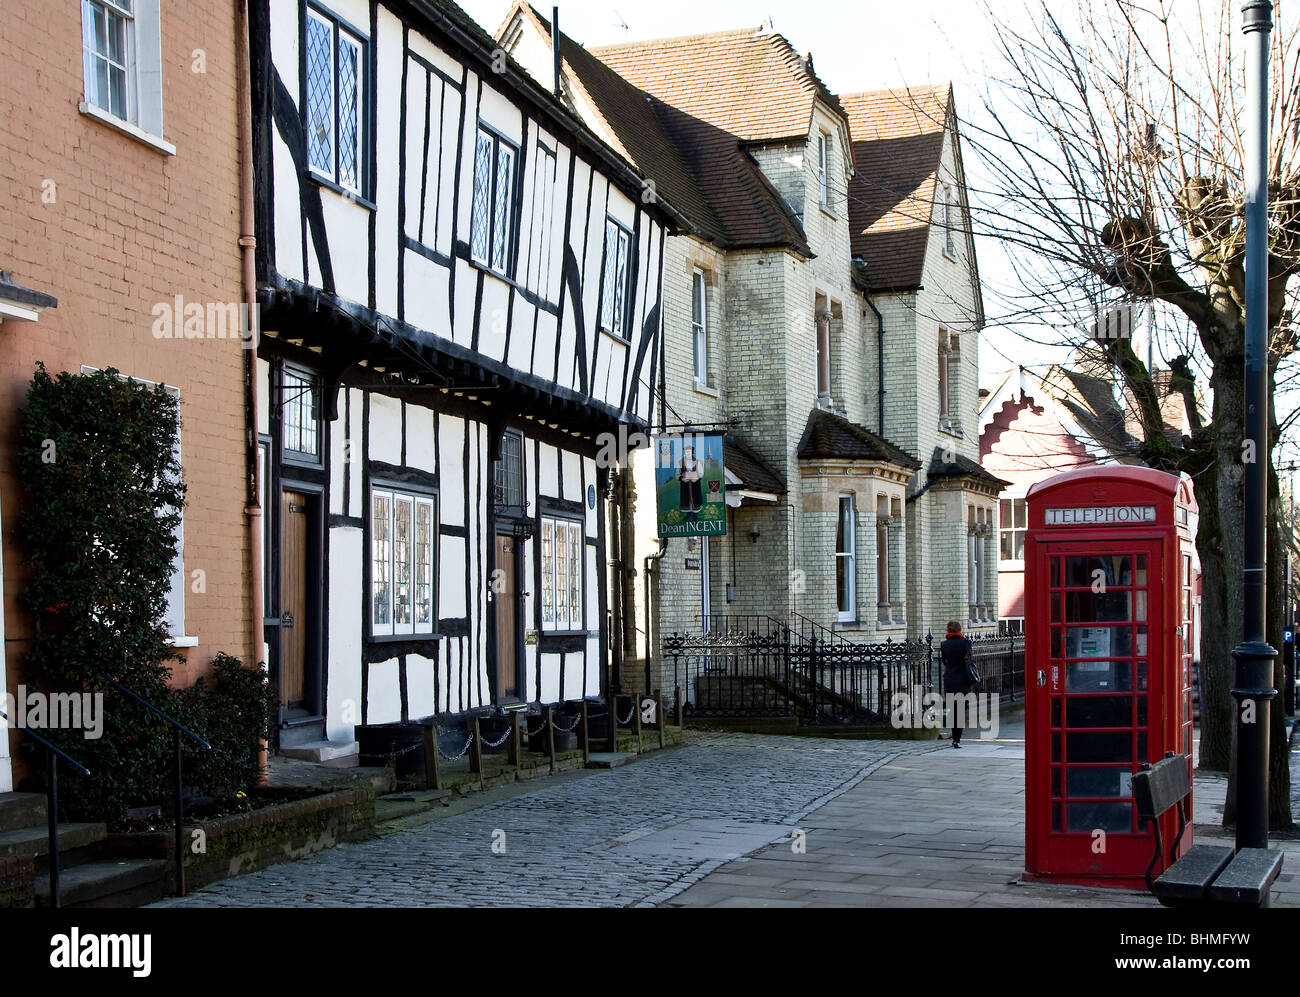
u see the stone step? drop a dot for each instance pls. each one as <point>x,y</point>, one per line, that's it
<point>296,733</point>
<point>107,883</point>
<point>34,840</point>
<point>609,759</point>
<point>340,753</point>
<point>21,810</point>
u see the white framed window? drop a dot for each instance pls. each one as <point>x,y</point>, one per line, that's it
<point>563,561</point>
<point>299,411</point>
<point>948,218</point>
<point>490,217</point>
<point>336,73</point>
<point>822,318</point>
<point>846,561</point>
<point>1009,625</point>
<point>108,30</point>
<point>700,327</point>
<point>616,280</point>
<point>175,616</point>
<point>1013,521</point>
<point>882,561</point>
<point>121,54</point>
<point>403,533</point>
<point>823,162</point>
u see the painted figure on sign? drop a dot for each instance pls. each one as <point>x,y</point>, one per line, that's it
<point>691,476</point>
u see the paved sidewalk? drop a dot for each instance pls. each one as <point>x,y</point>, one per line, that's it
<point>634,835</point>
<point>943,829</point>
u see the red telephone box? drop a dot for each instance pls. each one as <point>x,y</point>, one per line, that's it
<point>1108,666</point>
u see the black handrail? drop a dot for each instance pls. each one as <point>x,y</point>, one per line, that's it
<point>52,756</point>
<point>177,730</point>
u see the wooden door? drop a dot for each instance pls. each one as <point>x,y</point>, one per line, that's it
<point>293,597</point>
<point>504,598</point>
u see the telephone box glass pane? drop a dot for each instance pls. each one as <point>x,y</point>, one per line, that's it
<point>1056,782</point>
<point>1056,711</point>
<point>1140,597</point>
<point>1142,676</point>
<point>1055,571</point>
<point>1099,746</point>
<point>1056,747</point>
<point>1097,676</point>
<point>1142,711</point>
<point>1098,782</point>
<point>1056,642</point>
<point>1098,607</point>
<point>1055,599</point>
<point>1090,817</point>
<point>1142,746</point>
<point>1141,575</point>
<point>1100,711</point>
<point>1109,570</point>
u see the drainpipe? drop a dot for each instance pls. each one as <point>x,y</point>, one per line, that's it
<point>650,562</point>
<point>248,247</point>
<point>880,364</point>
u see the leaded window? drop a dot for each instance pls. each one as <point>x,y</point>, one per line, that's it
<point>335,90</point>
<point>403,531</point>
<point>615,283</point>
<point>490,216</point>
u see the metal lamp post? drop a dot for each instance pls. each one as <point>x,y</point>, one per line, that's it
<point>1253,657</point>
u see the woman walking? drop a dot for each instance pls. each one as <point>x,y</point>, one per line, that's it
<point>957,667</point>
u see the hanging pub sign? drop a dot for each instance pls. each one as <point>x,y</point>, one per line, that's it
<point>690,488</point>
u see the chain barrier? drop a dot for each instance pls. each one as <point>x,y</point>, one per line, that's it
<point>469,739</point>
<point>387,756</point>
<point>627,719</point>
<point>569,729</point>
<point>494,744</point>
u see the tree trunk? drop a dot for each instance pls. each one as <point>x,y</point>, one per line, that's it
<point>1218,541</point>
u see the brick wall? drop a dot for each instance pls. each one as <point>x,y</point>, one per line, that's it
<point>111,226</point>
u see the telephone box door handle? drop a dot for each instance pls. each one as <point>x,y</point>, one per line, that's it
<point>1042,677</point>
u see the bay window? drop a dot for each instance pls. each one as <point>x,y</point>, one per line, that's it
<point>403,526</point>
<point>846,561</point>
<point>563,566</point>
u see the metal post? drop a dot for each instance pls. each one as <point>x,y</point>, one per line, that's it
<point>180,815</point>
<point>52,803</point>
<point>1253,658</point>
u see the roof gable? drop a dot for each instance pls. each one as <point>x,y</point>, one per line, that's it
<point>699,168</point>
<point>898,140</point>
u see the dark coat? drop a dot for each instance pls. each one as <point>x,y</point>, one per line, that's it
<point>955,650</point>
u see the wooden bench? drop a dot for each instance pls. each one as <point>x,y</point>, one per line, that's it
<point>1207,873</point>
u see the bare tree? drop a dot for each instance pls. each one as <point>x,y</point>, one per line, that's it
<point>1110,160</point>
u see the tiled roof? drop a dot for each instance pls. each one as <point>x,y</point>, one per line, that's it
<point>959,466</point>
<point>750,468</point>
<point>698,164</point>
<point>750,83</point>
<point>828,436</point>
<point>897,145</point>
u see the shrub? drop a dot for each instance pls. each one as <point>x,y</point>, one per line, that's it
<point>104,492</point>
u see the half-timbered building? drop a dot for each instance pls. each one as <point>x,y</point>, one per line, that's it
<point>460,294</point>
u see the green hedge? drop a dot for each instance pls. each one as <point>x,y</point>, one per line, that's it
<point>104,492</point>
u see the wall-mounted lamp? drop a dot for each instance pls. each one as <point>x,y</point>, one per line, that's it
<point>753,534</point>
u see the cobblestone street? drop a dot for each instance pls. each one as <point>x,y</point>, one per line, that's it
<point>635,835</point>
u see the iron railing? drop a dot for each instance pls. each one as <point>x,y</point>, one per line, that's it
<point>178,729</point>
<point>52,756</point>
<point>757,666</point>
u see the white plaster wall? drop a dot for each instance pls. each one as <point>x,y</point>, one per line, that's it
<point>343,706</point>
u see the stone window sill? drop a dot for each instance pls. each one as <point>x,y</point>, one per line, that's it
<point>156,142</point>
